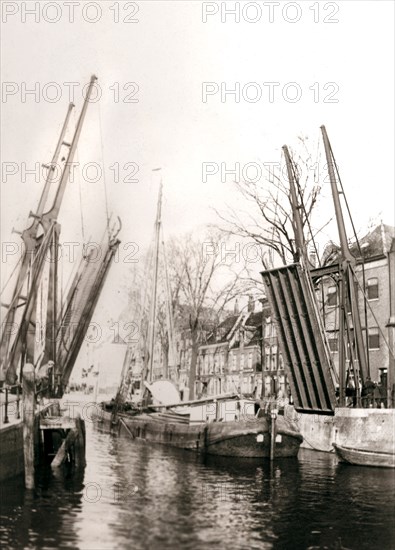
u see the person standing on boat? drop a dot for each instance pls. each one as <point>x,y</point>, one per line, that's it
<point>43,377</point>
<point>383,395</point>
<point>368,391</point>
<point>351,393</point>
<point>376,396</point>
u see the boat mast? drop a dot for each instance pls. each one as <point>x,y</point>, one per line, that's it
<point>47,219</point>
<point>29,238</point>
<point>348,289</point>
<point>151,341</point>
<point>24,343</point>
<point>169,314</point>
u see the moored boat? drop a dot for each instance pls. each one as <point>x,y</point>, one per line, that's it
<point>365,457</point>
<point>231,427</point>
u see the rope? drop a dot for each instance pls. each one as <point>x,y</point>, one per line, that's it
<point>9,278</point>
<point>104,174</point>
<point>296,177</point>
<point>82,217</point>
<point>79,189</point>
<point>345,199</point>
<point>374,317</point>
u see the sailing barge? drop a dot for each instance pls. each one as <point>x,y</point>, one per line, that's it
<point>225,426</point>
<point>39,341</point>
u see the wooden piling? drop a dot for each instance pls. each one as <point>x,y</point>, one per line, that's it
<point>79,445</point>
<point>29,405</point>
<point>273,414</point>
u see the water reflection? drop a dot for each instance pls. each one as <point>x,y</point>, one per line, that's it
<point>133,495</point>
<point>34,519</point>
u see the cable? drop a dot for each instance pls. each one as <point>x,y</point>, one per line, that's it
<point>104,174</point>
<point>12,273</point>
<point>79,189</point>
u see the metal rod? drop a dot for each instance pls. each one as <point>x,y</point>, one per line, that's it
<point>342,370</point>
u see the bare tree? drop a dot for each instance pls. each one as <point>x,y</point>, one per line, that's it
<point>268,220</point>
<point>204,282</point>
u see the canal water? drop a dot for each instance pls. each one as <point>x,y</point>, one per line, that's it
<point>137,496</point>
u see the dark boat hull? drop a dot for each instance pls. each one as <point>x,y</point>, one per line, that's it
<point>237,438</point>
<point>365,457</point>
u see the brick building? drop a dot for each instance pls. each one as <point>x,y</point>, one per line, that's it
<point>375,268</point>
<point>230,359</point>
<point>274,377</point>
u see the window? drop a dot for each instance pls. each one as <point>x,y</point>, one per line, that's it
<point>242,361</point>
<point>273,365</point>
<point>269,328</point>
<point>280,362</point>
<point>233,362</point>
<point>267,359</point>
<point>333,343</point>
<point>373,288</point>
<point>215,364</point>
<point>250,360</point>
<point>331,296</point>
<point>374,338</point>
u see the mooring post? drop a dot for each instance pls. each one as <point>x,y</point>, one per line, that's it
<point>273,414</point>
<point>29,405</point>
<point>6,407</point>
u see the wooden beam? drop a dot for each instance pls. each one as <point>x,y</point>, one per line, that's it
<point>29,405</point>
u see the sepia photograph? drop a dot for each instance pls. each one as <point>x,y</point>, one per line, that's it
<point>197,331</point>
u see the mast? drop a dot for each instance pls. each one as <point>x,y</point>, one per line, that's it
<point>169,312</point>
<point>47,219</point>
<point>29,238</point>
<point>152,323</point>
<point>52,214</point>
<point>36,251</point>
<point>348,286</point>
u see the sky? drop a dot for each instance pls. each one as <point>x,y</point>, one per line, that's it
<point>166,71</point>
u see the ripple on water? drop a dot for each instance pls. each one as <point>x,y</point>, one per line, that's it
<point>134,495</point>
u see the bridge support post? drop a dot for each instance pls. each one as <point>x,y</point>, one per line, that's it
<point>29,405</point>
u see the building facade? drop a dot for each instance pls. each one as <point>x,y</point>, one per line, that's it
<point>230,360</point>
<point>375,266</point>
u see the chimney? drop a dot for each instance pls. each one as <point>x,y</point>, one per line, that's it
<point>251,304</point>
<point>236,308</point>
